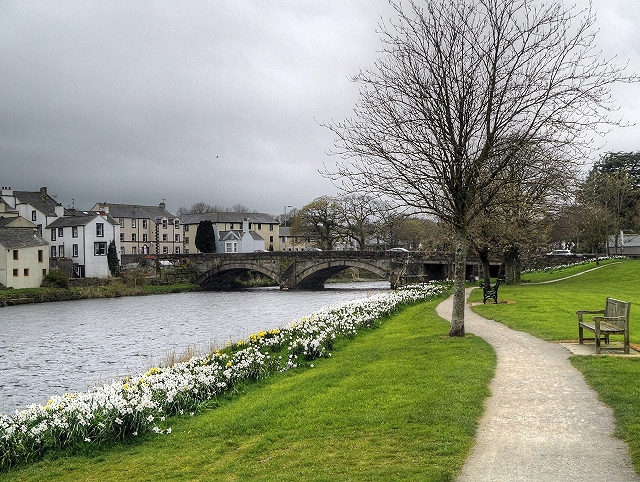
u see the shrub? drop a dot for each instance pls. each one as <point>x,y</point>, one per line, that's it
<point>55,279</point>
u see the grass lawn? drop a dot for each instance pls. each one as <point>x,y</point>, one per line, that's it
<point>400,402</point>
<point>549,312</point>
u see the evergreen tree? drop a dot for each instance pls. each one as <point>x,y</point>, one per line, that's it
<point>205,237</point>
<point>112,259</point>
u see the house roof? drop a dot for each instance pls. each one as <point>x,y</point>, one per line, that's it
<point>228,217</point>
<point>225,235</point>
<point>81,219</point>
<point>40,200</point>
<point>16,238</point>
<point>134,211</point>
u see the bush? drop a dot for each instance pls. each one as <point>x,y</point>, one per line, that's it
<point>55,279</point>
<point>134,278</point>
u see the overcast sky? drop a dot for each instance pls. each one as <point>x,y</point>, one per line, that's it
<point>216,101</point>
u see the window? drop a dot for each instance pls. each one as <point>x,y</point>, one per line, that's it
<point>144,224</point>
<point>74,232</point>
<point>271,239</point>
<point>15,254</point>
<point>186,227</point>
<point>60,232</point>
<point>26,271</point>
<point>39,229</point>
<point>186,251</point>
<point>231,247</point>
<point>271,227</point>
<point>177,238</point>
<point>133,223</point>
<point>54,252</point>
<point>100,230</point>
<point>231,226</point>
<point>144,238</point>
<point>177,249</point>
<point>61,251</point>
<point>100,249</point>
<point>53,234</point>
<point>44,272</point>
<point>75,250</point>
<point>164,224</point>
<point>34,215</point>
<point>133,237</point>
<point>165,250</point>
<point>122,250</point>
<point>186,240</point>
<point>122,222</point>
<point>259,225</point>
<point>40,256</point>
<point>15,273</point>
<point>165,238</point>
<point>134,250</point>
<point>176,224</point>
<point>121,237</point>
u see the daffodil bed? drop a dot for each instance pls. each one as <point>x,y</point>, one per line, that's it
<point>134,405</point>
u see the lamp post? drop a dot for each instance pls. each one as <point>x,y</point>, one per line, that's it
<point>285,225</point>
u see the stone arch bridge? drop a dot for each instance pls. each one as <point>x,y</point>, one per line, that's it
<point>311,269</point>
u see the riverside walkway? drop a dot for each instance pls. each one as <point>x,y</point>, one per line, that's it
<point>542,421</point>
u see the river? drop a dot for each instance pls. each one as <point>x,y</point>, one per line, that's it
<point>53,348</point>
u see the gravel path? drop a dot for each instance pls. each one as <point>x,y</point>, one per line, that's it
<point>543,422</point>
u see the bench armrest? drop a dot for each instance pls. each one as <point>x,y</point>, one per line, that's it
<point>609,319</point>
<point>588,312</point>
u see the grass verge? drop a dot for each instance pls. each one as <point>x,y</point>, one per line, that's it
<point>400,402</point>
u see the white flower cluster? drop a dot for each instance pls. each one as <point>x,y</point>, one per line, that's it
<point>570,265</point>
<point>135,405</point>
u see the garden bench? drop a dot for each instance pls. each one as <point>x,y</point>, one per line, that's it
<point>613,319</point>
<point>491,292</point>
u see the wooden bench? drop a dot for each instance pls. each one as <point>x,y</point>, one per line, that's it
<point>614,319</point>
<point>491,292</point>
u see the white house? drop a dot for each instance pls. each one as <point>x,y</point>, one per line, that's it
<point>38,207</point>
<point>84,238</point>
<point>244,241</point>
<point>24,257</point>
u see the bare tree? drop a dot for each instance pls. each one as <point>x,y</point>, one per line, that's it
<point>359,211</point>
<point>460,90</point>
<point>320,222</point>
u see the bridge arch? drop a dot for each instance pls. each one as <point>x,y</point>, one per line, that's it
<point>223,275</point>
<point>314,277</point>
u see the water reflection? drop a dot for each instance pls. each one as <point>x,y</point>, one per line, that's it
<point>70,346</point>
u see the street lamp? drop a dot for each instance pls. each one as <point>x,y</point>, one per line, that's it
<point>285,225</point>
<point>285,215</point>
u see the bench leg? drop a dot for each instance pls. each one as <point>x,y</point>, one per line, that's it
<point>626,342</point>
<point>597,341</point>
<point>580,334</point>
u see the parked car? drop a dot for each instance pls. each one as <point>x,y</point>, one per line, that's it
<point>397,250</point>
<point>560,252</point>
<point>313,249</point>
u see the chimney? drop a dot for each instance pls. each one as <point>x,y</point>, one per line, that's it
<point>59,209</point>
<point>162,205</point>
<point>43,191</point>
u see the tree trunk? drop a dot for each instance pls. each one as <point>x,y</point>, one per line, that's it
<point>483,254</point>
<point>512,267</point>
<point>460,268</point>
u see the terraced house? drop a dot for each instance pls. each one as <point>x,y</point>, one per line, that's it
<point>24,255</point>
<point>145,229</point>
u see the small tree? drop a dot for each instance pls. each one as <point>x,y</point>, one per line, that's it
<point>112,259</point>
<point>205,237</point>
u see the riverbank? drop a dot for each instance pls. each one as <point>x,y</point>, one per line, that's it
<point>114,289</point>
